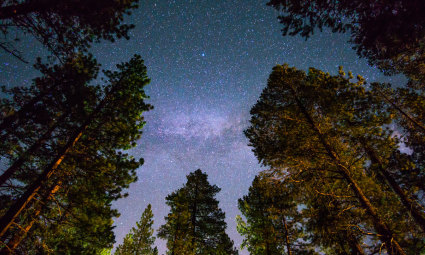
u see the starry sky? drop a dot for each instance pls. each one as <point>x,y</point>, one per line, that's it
<point>208,61</point>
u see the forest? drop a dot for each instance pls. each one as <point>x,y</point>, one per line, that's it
<point>342,156</point>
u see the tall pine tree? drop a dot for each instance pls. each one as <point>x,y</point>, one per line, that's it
<point>196,224</point>
<point>63,201</point>
<point>321,126</point>
<point>273,225</point>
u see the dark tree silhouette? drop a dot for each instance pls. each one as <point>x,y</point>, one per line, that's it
<point>196,224</point>
<point>64,25</point>
<point>389,34</point>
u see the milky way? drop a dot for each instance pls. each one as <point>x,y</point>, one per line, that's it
<point>208,61</point>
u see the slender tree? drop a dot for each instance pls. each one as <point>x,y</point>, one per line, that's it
<point>140,239</point>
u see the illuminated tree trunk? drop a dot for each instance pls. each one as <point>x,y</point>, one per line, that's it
<point>8,218</point>
<point>409,204</point>
<point>386,235</point>
<point>22,232</point>
<point>356,249</point>
<point>288,245</point>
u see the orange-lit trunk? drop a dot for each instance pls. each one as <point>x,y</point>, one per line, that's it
<point>20,204</point>
<point>386,235</point>
<point>409,204</point>
<point>22,232</point>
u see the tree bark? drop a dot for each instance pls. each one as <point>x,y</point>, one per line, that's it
<point>288,245</point>
<point>406,201</point>
<point>386,235</point>
<point>21,234</point>
<point>8,218</point>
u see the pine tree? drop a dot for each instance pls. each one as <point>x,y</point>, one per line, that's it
<point>272,224</point>
<point>140,239</point>
<point>313,123</point>
<point>91,174</point>
<point>196,224</point>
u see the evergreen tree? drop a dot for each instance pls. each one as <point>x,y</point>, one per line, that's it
<point>196,224</point>
<point>272,224</point>
<point>314,124</point>
<point>80,169</point>
<point>140,239</point>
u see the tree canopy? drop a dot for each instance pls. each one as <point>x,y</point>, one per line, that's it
<point>389,34</point>
<point>140,239</point>
<point>323,131</point>
<point>64,26</point>
<point>64,176</point>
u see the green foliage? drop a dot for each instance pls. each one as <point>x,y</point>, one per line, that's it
<point>94,172</point>
<point>140,239</point>
<point>273,225</point>
<point>195,224</point>
<point>323,132</point>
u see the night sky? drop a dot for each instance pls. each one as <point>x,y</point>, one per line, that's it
<point>208,61</point>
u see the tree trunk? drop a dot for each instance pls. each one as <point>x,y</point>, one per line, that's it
<point>407,116</point>
<point>386,235</point>
<point>8,218</point>
<point>193,217</point>
<point>21,160</point>
<point>268,248</point>
<point>406,201</point>
<point>21,234</point>
<point>355,247</point>
<point>288,246</point>
<point>358,249</point>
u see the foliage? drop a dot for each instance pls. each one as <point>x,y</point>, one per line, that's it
<point>73,207</point>
<point>66,25</point>
<point>389,34</point>
<point>273,225</point>
<point>195,224</point>
<point>140,239</point>
<point>323,131</point>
